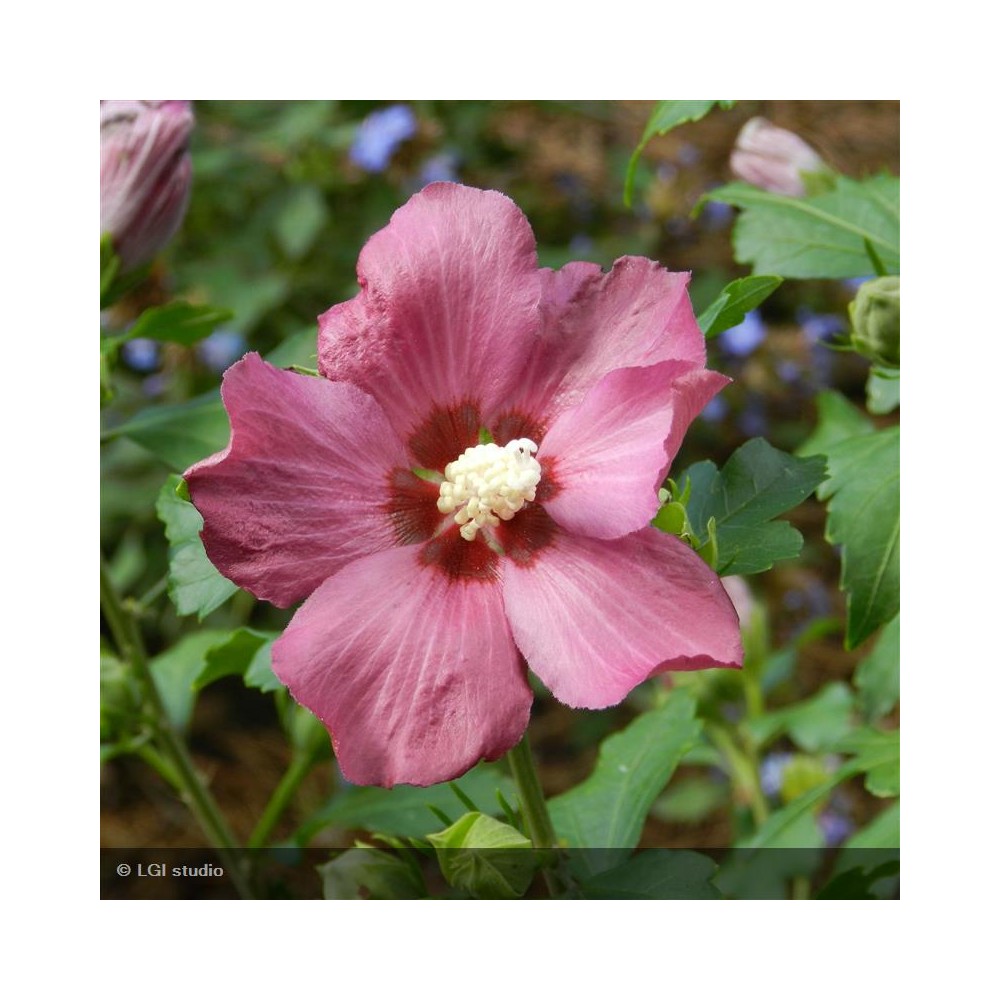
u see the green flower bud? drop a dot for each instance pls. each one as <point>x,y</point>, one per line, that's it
<point>802,774</point>
<point>672,519</point>
<point>875,320</point>
<point>119,701</point>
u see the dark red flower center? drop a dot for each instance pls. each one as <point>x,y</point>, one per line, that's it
<point>413,508</point>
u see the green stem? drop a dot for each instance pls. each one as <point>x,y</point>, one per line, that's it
<point>162,767</point>
<point>742,770</point>
<point>754,694</point>
<point>536,818</point>
<point>755,709</point>
<point>126,634</point>
<point>529,789</point>
<point>298,770</point>
<point>153,593</point>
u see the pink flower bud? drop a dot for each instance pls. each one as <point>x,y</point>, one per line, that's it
<point>145,175</point>
<point>773,158</point>
<point>739,593</point>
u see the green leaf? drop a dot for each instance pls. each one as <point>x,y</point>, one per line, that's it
<point>863,514</point>
<point>184,433</point>
<point>816,724</point>
<point>609,808</point>
<point>735,301</point>
<point>179,323</point>
<point>180,434</point>
<point>881,832</point>
<point>863,517</point>
<point>300,220</point>
<point>838,420</point>
<point>657,874</point>
<point>367,873</point>
<point>244,650</point>
<point>877,675</point>
<point>114,283</point>
<point>878,758</point>
<point>194,584</point>
<point>175,671</point>
<point>690,800</point>
<point>405,811</point>
<point>485,858</point>
<point>779,830</point>
<point>817,237</point>
<point>882,390</point>
<point>860,881</point>
<point>876,751</point>
<point>666,115</point>
<point>755,485</point>
<point>873,747</point>
<point>259,673</point>
<point>883,781</point>
<point>109,357</point>
<point>767,874</point>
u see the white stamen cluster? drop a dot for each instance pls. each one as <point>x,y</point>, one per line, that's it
<point>488,484</point>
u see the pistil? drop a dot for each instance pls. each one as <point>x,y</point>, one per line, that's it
<point>488,484</point>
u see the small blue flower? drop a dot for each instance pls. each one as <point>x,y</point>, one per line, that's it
<point>154,386</point>
<point>745,338</point>
<point>688,155</point>
<point>716,214</point>
<point>772,772</point>
<point>715,410</point>
<point>380,134</point>
<point>853,284</point>
<point>812,599</point>
<point>819,327</point>
<point>789,371</point>
<point>440,167</point>
<point>220,349</point>
<point>834,827</point>
<point>141,354</point>
<point>752,419</point>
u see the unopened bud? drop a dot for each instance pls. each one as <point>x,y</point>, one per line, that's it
<point>802,774</point>
<point>119,700</point>
<point>145,175</point>
<point>774,159</point>
<point>875,320</point>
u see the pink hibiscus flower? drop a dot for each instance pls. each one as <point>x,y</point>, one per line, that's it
<point>435,566</point>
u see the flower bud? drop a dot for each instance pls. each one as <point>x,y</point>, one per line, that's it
<point>145,175</point>
<point>875,320</point>
<point>774,159</point>
<point>119,699</point>
<point>739,593</point>
<point>801,774</point>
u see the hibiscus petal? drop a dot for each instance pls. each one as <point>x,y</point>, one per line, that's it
<point>414,673</point>
<point>610,452</point>
<point>302,488</point>
<point>635,315</point>
<point>595,618</point>
<point>448,306</point>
